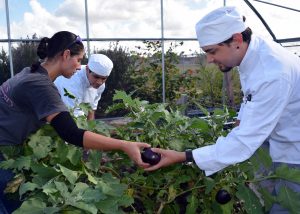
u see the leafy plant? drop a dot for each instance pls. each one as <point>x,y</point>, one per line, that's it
<point>181,188</point>
<point>54,177</point>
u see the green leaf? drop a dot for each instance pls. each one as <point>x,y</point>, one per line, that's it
<point>109,205</point>
<point>288,173</point>
<point>171,192</point>
<point>289,199</point>
<point>94,160</point>
<point>264,157</point>
<point>87,207</point>
<point>49,188</point>
<point>121,95</point>
<point>31,206</point>
<point>267,198</point>
<point>192,205</point>
<point>209,184</point>
<point>112,189</point>
<point>176,144</point>
<point>199,124</point>
<point>201,108</point>
<point>23,162</point>
<point>70,175</point>
<point>80,188</point>
<point>63,189</point>
<point>74,155</point>
<point>43,170</point>
<point>93,195</point>
<point>91,178</point>
<point>28,186</point>
<point>252,204</point>
<point>40,145</point>
<point>261,161</point>
<point>11,151</point>
<point>8,164</point>
<point>68,94</point>
<point>52,210</point>
<point>61,150</point>
<point>126,201</point>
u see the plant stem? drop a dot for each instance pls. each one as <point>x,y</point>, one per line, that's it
<point>183,192</point>
<point>105,168</point>
<point>262,179</point>
<point>161,207</point>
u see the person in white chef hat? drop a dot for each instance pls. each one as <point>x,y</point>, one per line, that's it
<point>87,84</point>
<point>270,80</point>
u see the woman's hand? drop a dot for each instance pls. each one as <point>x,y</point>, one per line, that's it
<point>168,157</point>
<point>133,150</point>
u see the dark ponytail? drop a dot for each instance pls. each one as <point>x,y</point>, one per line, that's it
<point>60,41</point>
<point>42,48</point>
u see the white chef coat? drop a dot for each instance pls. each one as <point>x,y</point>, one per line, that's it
<point>271,74</point>
<point>79,86</point>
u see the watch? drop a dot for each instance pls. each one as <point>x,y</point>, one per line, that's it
<point>189,159</point>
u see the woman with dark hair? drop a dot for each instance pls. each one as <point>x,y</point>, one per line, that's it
<point>30,99</point>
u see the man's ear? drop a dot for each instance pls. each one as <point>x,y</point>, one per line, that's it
<point>238,37</point>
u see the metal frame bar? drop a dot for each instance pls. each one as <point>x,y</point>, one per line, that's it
<point>277,5</point>
<point>162,50</point>
<point>87,27</point>
<point>261,19</point>
<point>107,39</point>
<point>9,39</point>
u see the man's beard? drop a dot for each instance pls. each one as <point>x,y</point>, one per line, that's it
<point>225,69</point>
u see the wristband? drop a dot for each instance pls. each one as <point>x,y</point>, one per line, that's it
<point>189,159</point>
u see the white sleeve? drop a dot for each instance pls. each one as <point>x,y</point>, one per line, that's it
<point>260,116</point>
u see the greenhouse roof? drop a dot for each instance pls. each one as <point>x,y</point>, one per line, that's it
<point>127,19</point>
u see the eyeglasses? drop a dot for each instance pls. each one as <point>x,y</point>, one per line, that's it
<point>77,40</point>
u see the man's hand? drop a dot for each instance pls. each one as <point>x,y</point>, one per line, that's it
<point>168,157</point>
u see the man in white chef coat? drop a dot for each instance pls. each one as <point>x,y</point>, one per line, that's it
<point>270,80</point>
<point>87,84</point>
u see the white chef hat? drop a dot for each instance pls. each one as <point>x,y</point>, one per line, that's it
<point>100,64</point>
<point>219,25</point>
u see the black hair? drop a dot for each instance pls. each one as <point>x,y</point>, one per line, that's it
<point>60,41</point>
<point>246,34</point>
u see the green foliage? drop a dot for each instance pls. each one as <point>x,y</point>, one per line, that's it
<point>289,199</point>
<point>24,54</point>
<point>252,204</point>
<point>54,177</point>
<point>4,66</point>
<point>200,82</point>
<point>146,73</point>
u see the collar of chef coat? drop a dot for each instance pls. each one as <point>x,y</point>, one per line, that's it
<point>250,58</point>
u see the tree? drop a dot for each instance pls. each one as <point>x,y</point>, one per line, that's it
<point>4,66</point>
<point>24,54</point>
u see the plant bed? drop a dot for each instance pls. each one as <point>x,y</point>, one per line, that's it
<point>55,178</point>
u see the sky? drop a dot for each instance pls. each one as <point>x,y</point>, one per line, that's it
<point>137,18</point>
